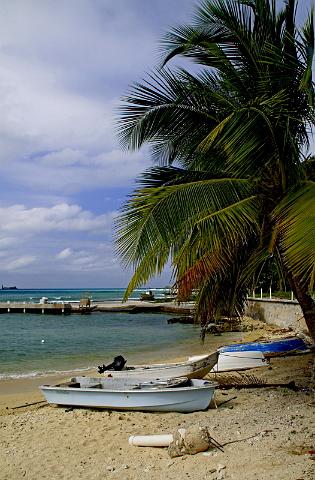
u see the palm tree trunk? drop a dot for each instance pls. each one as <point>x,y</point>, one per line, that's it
<point>306,302</point>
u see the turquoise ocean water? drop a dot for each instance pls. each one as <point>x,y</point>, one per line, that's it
<point>34,344</point>
<point>72,294</point>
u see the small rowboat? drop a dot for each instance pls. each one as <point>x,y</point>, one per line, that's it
<point>271,348</point>
<point>195,367</point>
<point>235,361</point>
<point>240,360</point>
<point>176,395</point>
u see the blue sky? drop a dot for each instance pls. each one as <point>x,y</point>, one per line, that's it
<point>64,64</point>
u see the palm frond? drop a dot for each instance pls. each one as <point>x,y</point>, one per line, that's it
<point>157,213</point>
<point>308,48</point>
<point>295,219</point>
<point>233,194</point>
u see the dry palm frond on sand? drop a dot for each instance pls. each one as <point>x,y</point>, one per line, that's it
<point>235,380</point>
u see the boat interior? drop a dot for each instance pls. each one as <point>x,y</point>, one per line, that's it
<point>126,384</point>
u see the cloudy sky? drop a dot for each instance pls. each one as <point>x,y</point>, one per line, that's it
<point>63,66</point>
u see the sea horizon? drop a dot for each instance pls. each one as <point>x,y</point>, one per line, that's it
<point>96,294</point>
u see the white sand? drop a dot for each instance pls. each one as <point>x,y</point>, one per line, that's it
<point>42,441</point>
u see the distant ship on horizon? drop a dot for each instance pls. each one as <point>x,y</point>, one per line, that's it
<point>8,288</point>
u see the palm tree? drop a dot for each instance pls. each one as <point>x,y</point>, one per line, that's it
<point>231,186</point>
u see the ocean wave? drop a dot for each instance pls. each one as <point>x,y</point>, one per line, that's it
<point>29,375</point>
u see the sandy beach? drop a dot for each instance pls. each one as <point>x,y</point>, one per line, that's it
<point>271,431</point>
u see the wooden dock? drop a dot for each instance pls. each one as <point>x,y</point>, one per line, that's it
<point>44,308</point>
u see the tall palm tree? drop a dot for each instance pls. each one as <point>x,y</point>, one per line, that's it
<point>231,187</point>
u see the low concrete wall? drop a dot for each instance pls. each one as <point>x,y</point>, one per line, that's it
<point>285,313</point>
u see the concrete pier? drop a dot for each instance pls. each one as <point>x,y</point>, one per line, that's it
<point>43,308</point>
<point>110,307</point>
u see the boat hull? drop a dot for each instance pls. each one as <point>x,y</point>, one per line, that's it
<point>269,348</point>
<point>191,369</point>
<point>243,360</point>
<point>183,399</point>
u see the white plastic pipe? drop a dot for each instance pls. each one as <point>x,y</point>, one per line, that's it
<point>151,440</point>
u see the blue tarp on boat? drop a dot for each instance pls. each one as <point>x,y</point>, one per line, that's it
<point>272,346</point>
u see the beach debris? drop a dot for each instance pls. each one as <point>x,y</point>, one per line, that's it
<point>110,468</point>
<point>151,440</point>
<point>249,381</point>
<point>191,440</point>
<point>184,441</point>
<point>220,472</point>
<point>259,434</point>
<point>226,401</point>
<point>28,404</point>
<point>188,441</point>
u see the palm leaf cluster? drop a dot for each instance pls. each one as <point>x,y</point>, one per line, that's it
<point>231,186</point>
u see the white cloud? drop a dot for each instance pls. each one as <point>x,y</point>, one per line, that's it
<point>6,242</point>
<point>62,217</point>
<point>20,263</point>
<point>67,252</point>
<point>71,170</point>
<point>32,239</point>
<point>63,68</point>
<point>59,66</point>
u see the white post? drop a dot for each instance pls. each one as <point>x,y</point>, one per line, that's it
<point>270,293</point>
<point>261,293</point>
<point>292,298</point>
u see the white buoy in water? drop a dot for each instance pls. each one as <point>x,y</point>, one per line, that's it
<point>43,341</point>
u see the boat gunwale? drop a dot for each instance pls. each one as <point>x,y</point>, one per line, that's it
<point>203,362</point>
<point>281,341</point>
<point>175,364</point>
<point>208,385</point>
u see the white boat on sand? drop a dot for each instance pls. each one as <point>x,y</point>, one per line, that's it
<point>235,361</point>
<point>195,367</point>
<point>179,395</point>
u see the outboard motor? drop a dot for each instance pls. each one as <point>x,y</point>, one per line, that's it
<point>118,364</point>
